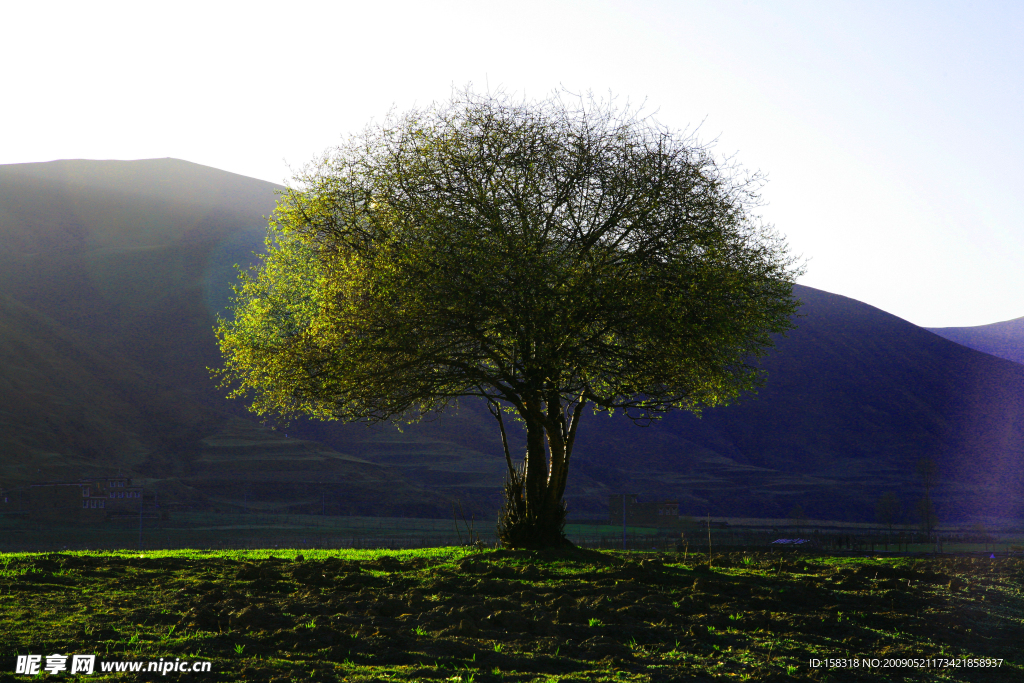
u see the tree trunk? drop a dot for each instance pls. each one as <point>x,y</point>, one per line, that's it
<point>556,447</point>
<point>536,462</point>
<point>534,513</point>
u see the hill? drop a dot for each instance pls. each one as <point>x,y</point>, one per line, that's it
<point>855,397</point>
<point>1004,339</point>
<point>112,274</point>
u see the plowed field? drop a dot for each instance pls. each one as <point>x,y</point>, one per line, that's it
<point>456,615</point>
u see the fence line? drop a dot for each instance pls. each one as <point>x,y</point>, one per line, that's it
<point>693,540</point>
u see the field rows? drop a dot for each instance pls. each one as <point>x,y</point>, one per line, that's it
<point>455,615</point>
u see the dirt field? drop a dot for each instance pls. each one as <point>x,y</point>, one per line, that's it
<point>455,615</point>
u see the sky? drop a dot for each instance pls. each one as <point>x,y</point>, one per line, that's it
<point>891,133</point>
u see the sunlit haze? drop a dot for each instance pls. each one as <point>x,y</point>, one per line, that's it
<point>891,133</point>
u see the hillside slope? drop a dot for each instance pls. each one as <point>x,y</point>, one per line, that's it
<point>112,274</point>
<point>855,396</point>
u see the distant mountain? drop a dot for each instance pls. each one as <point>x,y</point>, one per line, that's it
<point>1005,339</point>
<point>112,273</point>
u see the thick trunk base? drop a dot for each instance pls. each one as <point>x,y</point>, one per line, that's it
<point>519,530</point>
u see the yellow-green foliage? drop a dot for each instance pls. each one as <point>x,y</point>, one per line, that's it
<point>520,252</point>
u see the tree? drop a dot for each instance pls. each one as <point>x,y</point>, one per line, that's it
<point>887,512</point>
<point>929,473</point>
<point>797,515</point>
<point>541,256</point>
<point>926,515</point>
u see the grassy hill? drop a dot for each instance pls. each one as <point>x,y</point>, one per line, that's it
<point>112,274</point>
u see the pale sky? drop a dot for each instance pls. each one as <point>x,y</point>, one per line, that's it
<point>892,132</point>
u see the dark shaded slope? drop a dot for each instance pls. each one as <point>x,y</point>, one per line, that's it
<point>1004,339</point>
<point>112,273</point>
<point>857,396</point>
<point>68,409</point>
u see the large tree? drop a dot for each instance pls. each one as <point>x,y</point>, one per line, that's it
<point>542,256</point>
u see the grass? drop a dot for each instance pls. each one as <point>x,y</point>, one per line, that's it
<point>265,528</point>
<point>448,614</point>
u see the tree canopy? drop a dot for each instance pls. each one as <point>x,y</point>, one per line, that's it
<point>543,256</point>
